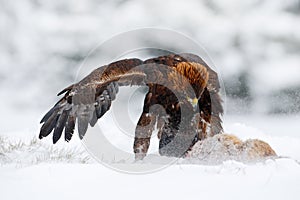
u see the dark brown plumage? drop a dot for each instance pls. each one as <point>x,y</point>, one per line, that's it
<point>183,101</point>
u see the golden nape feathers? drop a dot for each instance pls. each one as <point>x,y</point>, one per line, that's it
<point>189,76</point>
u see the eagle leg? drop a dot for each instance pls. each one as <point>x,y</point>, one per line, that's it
<point>143,132</point>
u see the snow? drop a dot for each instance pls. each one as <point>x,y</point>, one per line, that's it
<point>40,170</point>
<point>43,45</point>
<point>231,180</point>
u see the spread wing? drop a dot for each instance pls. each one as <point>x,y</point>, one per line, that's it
<point>90,99</point>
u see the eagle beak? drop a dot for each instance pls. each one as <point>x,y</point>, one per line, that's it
<point>194,102</point>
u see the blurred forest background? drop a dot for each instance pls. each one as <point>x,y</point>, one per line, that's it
<point>255,44</point>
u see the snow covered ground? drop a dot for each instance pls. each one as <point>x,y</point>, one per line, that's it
<point>34,169</point>
<point>270,180</point>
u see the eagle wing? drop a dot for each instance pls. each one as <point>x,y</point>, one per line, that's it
<point>89,99</point>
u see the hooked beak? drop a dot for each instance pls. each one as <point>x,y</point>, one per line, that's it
<point>194,103</point>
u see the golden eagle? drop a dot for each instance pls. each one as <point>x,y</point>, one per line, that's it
<point>182,84</point>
